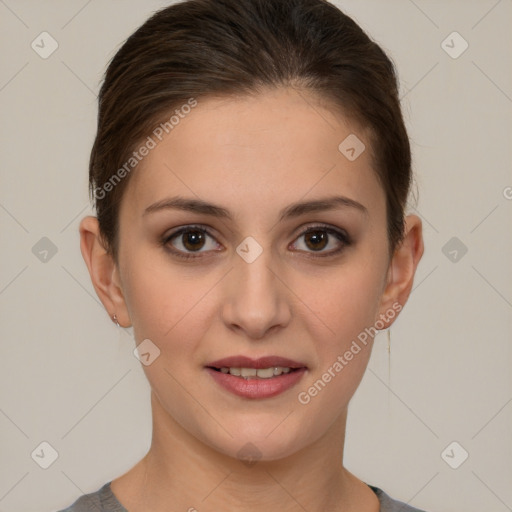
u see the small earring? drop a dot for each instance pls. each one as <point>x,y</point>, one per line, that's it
<point>114,319</point>
<point>389,340</point>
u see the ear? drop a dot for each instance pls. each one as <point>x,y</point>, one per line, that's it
<point>103,271</point>
<point>402,268</point>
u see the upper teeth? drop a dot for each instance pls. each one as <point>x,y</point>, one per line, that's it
<point>263,373</point>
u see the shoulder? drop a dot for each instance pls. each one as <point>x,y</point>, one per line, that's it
<point>388,504</point>
<point>100,501</point>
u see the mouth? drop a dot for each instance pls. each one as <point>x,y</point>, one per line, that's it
<point>262,368</point>
<point>255,373</point>
<point>256,378</point>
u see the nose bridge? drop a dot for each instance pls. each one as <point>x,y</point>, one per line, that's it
<point>255,274</point>
<point>255,301</point>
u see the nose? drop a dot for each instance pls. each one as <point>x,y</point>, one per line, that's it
<point>255,298</point>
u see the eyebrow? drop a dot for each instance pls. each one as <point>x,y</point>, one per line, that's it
<point>294,210</point>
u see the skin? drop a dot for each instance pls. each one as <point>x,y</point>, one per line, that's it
<point>253,156</point>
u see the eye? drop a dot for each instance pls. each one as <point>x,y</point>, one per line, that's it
<point>318,238</point>
<point>188,240</point>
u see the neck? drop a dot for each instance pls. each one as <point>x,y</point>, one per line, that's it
<point>181,472</point>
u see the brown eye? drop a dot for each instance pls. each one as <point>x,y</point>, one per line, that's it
<point>193,240</point>
<point>189,240</point>
<point>318,238</point>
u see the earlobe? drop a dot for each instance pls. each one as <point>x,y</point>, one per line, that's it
<point>102,269</point>
<point>402,269</point>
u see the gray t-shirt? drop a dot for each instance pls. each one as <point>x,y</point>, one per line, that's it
<point>105,501</point>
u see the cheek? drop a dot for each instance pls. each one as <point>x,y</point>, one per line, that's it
<point>172,309</point>
<point>344,309</point>
<point>161,296</point>
<point>344,302</point>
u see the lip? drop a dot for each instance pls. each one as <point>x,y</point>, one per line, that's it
<point>257,388</point>
<point>260,363</point>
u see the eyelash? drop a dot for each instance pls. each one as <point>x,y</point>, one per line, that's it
<point>342,236</point>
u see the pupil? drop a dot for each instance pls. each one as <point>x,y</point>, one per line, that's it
<point>316,237</point>
<point>193,240</point>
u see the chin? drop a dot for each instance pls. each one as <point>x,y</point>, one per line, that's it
<point>271,441</point>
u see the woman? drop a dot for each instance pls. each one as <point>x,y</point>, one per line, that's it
<point>250,174</point>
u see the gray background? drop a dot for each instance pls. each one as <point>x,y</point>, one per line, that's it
<point>69,377</point>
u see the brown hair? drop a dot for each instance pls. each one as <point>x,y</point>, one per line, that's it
<point>200,48</point>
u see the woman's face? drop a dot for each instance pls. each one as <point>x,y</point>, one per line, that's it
<point>255,285</point>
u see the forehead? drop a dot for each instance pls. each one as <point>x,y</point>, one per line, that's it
<point>257,151</point>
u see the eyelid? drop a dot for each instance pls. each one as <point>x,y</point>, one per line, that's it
<point>328,228</point>
<point>188,227</point>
